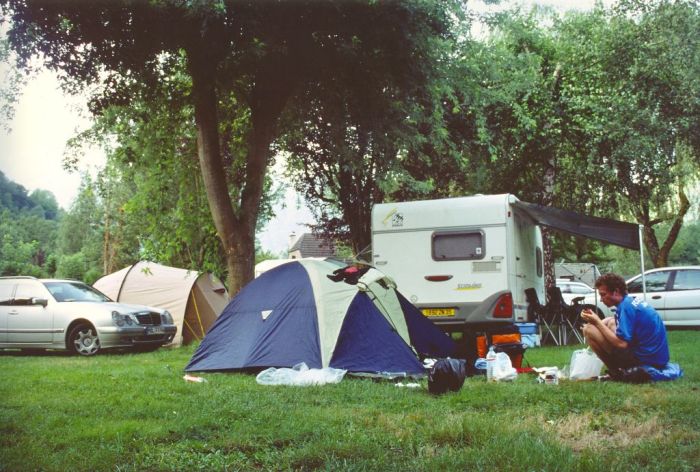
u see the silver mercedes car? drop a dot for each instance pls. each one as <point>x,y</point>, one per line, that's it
<point>67,314</point>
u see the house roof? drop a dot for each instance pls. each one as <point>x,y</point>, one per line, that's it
<point>311,245</point>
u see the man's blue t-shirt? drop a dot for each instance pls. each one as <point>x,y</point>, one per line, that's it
<point>641,326</point>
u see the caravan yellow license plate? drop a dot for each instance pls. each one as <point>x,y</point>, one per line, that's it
<point>438,311</point>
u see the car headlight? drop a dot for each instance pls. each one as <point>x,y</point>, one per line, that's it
<point>121,320</point>
<point>166,317</point>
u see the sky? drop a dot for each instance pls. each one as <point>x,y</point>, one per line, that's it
<point>31,154</point>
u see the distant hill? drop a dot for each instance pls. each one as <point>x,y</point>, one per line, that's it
<point>16,199</point>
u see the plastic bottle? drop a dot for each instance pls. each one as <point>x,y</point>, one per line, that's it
<point>490,363</point>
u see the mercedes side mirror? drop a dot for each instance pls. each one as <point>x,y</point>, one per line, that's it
<point>40,301</point>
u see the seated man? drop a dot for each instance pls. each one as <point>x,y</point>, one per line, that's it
<point>636,336</point>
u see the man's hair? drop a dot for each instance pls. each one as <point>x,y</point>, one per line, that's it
<point>612,282</point>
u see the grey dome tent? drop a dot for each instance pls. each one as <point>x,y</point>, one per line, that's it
<point>195,299</point>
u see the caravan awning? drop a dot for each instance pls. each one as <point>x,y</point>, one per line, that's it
<point>603,229</point>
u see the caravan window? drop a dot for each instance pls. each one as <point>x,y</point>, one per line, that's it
<point>458,246</point>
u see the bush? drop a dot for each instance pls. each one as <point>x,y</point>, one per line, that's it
<point>73,266</point>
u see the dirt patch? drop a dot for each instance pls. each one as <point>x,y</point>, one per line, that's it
<point>586,431</point>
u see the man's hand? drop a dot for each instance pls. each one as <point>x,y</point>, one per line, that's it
<point>589,316</point>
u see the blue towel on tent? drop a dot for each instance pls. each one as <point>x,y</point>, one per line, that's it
<point>671,371</point>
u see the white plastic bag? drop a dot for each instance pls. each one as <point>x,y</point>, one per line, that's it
<point>194,378</point>
<point>300,375</point>
<point>585,365</point>
<point>503,370</point>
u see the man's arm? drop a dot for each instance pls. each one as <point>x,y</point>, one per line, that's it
<point>604,329</point>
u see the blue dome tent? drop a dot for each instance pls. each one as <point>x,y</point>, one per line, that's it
<point>312,311</point>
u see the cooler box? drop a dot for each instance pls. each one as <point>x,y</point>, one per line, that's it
<point>529,334</point>
<point>527,328</point>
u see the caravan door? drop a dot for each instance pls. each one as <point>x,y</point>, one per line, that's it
<point>529,267</point>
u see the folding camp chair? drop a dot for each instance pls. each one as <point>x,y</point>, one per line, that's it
<point>541,314</point>
<point>563,316</point>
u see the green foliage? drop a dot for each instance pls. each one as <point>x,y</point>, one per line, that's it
<point>28,227</point>
<point>263,255</point>
<point>80,227</point>
<point>634,74</point>
<point>11,82</point>
<point>242,63</point>
<point>45,202</point>
<point>686,251</point>
<point>72,266</point>
<point>155,200</point>
<point>378,104</point>
<point>13,196</point>
<point>144,416</point>
<point>593,111</point>
<point>80,236</point>
<point>18,256</point>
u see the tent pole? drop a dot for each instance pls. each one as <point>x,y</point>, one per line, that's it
<point>595,279</point>
<point>641,257</point>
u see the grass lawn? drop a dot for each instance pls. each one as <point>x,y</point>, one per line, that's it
<point>135,412</point>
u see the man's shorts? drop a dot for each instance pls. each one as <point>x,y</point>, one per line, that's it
<point>623,359</point>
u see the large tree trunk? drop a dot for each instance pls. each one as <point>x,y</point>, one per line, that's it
<point>547,200</point>
<point>274,82</point>
<point>659,253</point>
<point>233,234</point>
<point>665,250</point>
<point>548,182</point>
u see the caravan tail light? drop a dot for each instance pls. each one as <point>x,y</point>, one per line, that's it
<point>437,278</point>
<point>504,306</point>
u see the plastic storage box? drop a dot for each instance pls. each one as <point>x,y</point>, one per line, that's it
<point>527,328</point>
<point>529,334</point>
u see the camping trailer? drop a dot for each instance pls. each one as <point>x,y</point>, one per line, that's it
<point>461,260</point>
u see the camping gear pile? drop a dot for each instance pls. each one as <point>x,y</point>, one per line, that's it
<point>505,338</point>
<point>309,317</point>
<point>325,315</point>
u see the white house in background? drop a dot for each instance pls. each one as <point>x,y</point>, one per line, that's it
<point>310,245</point>
<point>306,246</point>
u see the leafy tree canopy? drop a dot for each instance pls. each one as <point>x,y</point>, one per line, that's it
<point>254,55</point>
